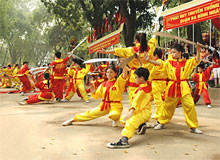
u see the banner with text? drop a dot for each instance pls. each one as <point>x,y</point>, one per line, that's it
<point>192,15</point>
<point>115,39</point>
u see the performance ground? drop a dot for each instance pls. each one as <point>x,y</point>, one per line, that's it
<point>34,132</point>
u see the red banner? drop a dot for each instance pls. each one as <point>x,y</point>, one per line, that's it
<point>115,39</point>
<point>202,12</point>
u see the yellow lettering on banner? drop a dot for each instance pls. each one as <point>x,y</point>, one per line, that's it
<point>184,20</point>
<point>203,15</point>
<point>174,18</point>
<point>183,15</point>
<point>197,11</point>
<point>214,12</point>
<point>212,6</point>
<point>193,17</point>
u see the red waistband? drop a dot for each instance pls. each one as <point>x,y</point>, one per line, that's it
<point>111,101</point>
<point>178,80</point>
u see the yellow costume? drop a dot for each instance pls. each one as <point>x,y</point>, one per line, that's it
<point>159,78</point>
<point>178,89</point>
<point>15,79</point>
<point>141,102</point>
<point>111,94</point>
<point>134,64</point>
<point>7,77</point>
<point>78,82</point>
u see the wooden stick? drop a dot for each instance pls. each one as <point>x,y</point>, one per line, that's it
<point>164,34</point>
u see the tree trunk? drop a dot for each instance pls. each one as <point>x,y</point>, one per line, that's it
<point>197,33</point>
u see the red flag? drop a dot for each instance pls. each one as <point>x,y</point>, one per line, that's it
<point>106,25</point>
<point>111,28</point>
<point>117,17</point>
<point>94,34</point>
<point>89,38</point>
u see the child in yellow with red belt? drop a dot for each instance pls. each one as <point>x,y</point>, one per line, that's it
<point>77,82</point>
<point>139,111</point>
<point>46,94</point>
<point>111,93</point>
<point>201,86</point>
<point>178,88</point>
<point>159,80</point>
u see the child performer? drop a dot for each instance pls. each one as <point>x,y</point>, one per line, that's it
<point>111,93</point>
<point>139,111</point>
<point>78,75</point>
<point>178,88</point>
<point>159,80</point>
<point>58,69</point>
<point>23,75</point>
<point>45,88</point>
<point>202,87</point>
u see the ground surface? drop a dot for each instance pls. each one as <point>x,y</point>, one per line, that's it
<point>34,132</point>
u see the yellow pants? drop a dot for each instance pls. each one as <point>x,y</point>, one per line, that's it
<point>135,121</point>
<point>188,108</point>
<point>114,113</point>
<point>158,88</point>
<point>82,91</point>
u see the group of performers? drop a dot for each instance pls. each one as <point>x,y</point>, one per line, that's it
<point>148,78</point>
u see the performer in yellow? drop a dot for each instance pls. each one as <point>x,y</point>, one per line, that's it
<point>159,79</point>
<point>15,79</point>
<point>111,93</point>
<point>78,75</point>
<point>8,76</point>
<point>141,47</point>
<point>178,88</point>
<point>139,111</point>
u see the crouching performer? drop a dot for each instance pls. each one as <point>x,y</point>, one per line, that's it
<point>111,93</point>
<point>139,111</point>
<point>46,93</point>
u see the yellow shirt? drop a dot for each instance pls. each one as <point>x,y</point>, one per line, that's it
<point>128,52</point>
<point>178,72</point>
<point>111,90</point>
<point>142,98</point>
<point>78,75</point>
<point>159,72</point>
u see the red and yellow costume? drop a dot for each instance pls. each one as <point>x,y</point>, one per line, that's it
<point>59,67</point>
<point>141,103</point>
<point>178,88</point>
<point>77,82</point>
<point>159,80</point>
<point>15,79</point>
<point>23,74</point>
<point>111,93</point>
<point>202,86</point>
<point>7,77</point>
<point>45,95</point>
<point>134,64</point>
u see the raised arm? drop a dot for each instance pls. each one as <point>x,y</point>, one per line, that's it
<point>103,51</point>
<point>147,58</point>
<point>198,52</point>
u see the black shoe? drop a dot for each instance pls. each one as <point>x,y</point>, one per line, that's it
<point>58,100</point>
<point>120,144</point>
<point>142,129</point>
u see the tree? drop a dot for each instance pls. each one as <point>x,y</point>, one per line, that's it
<point>96,11</point>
